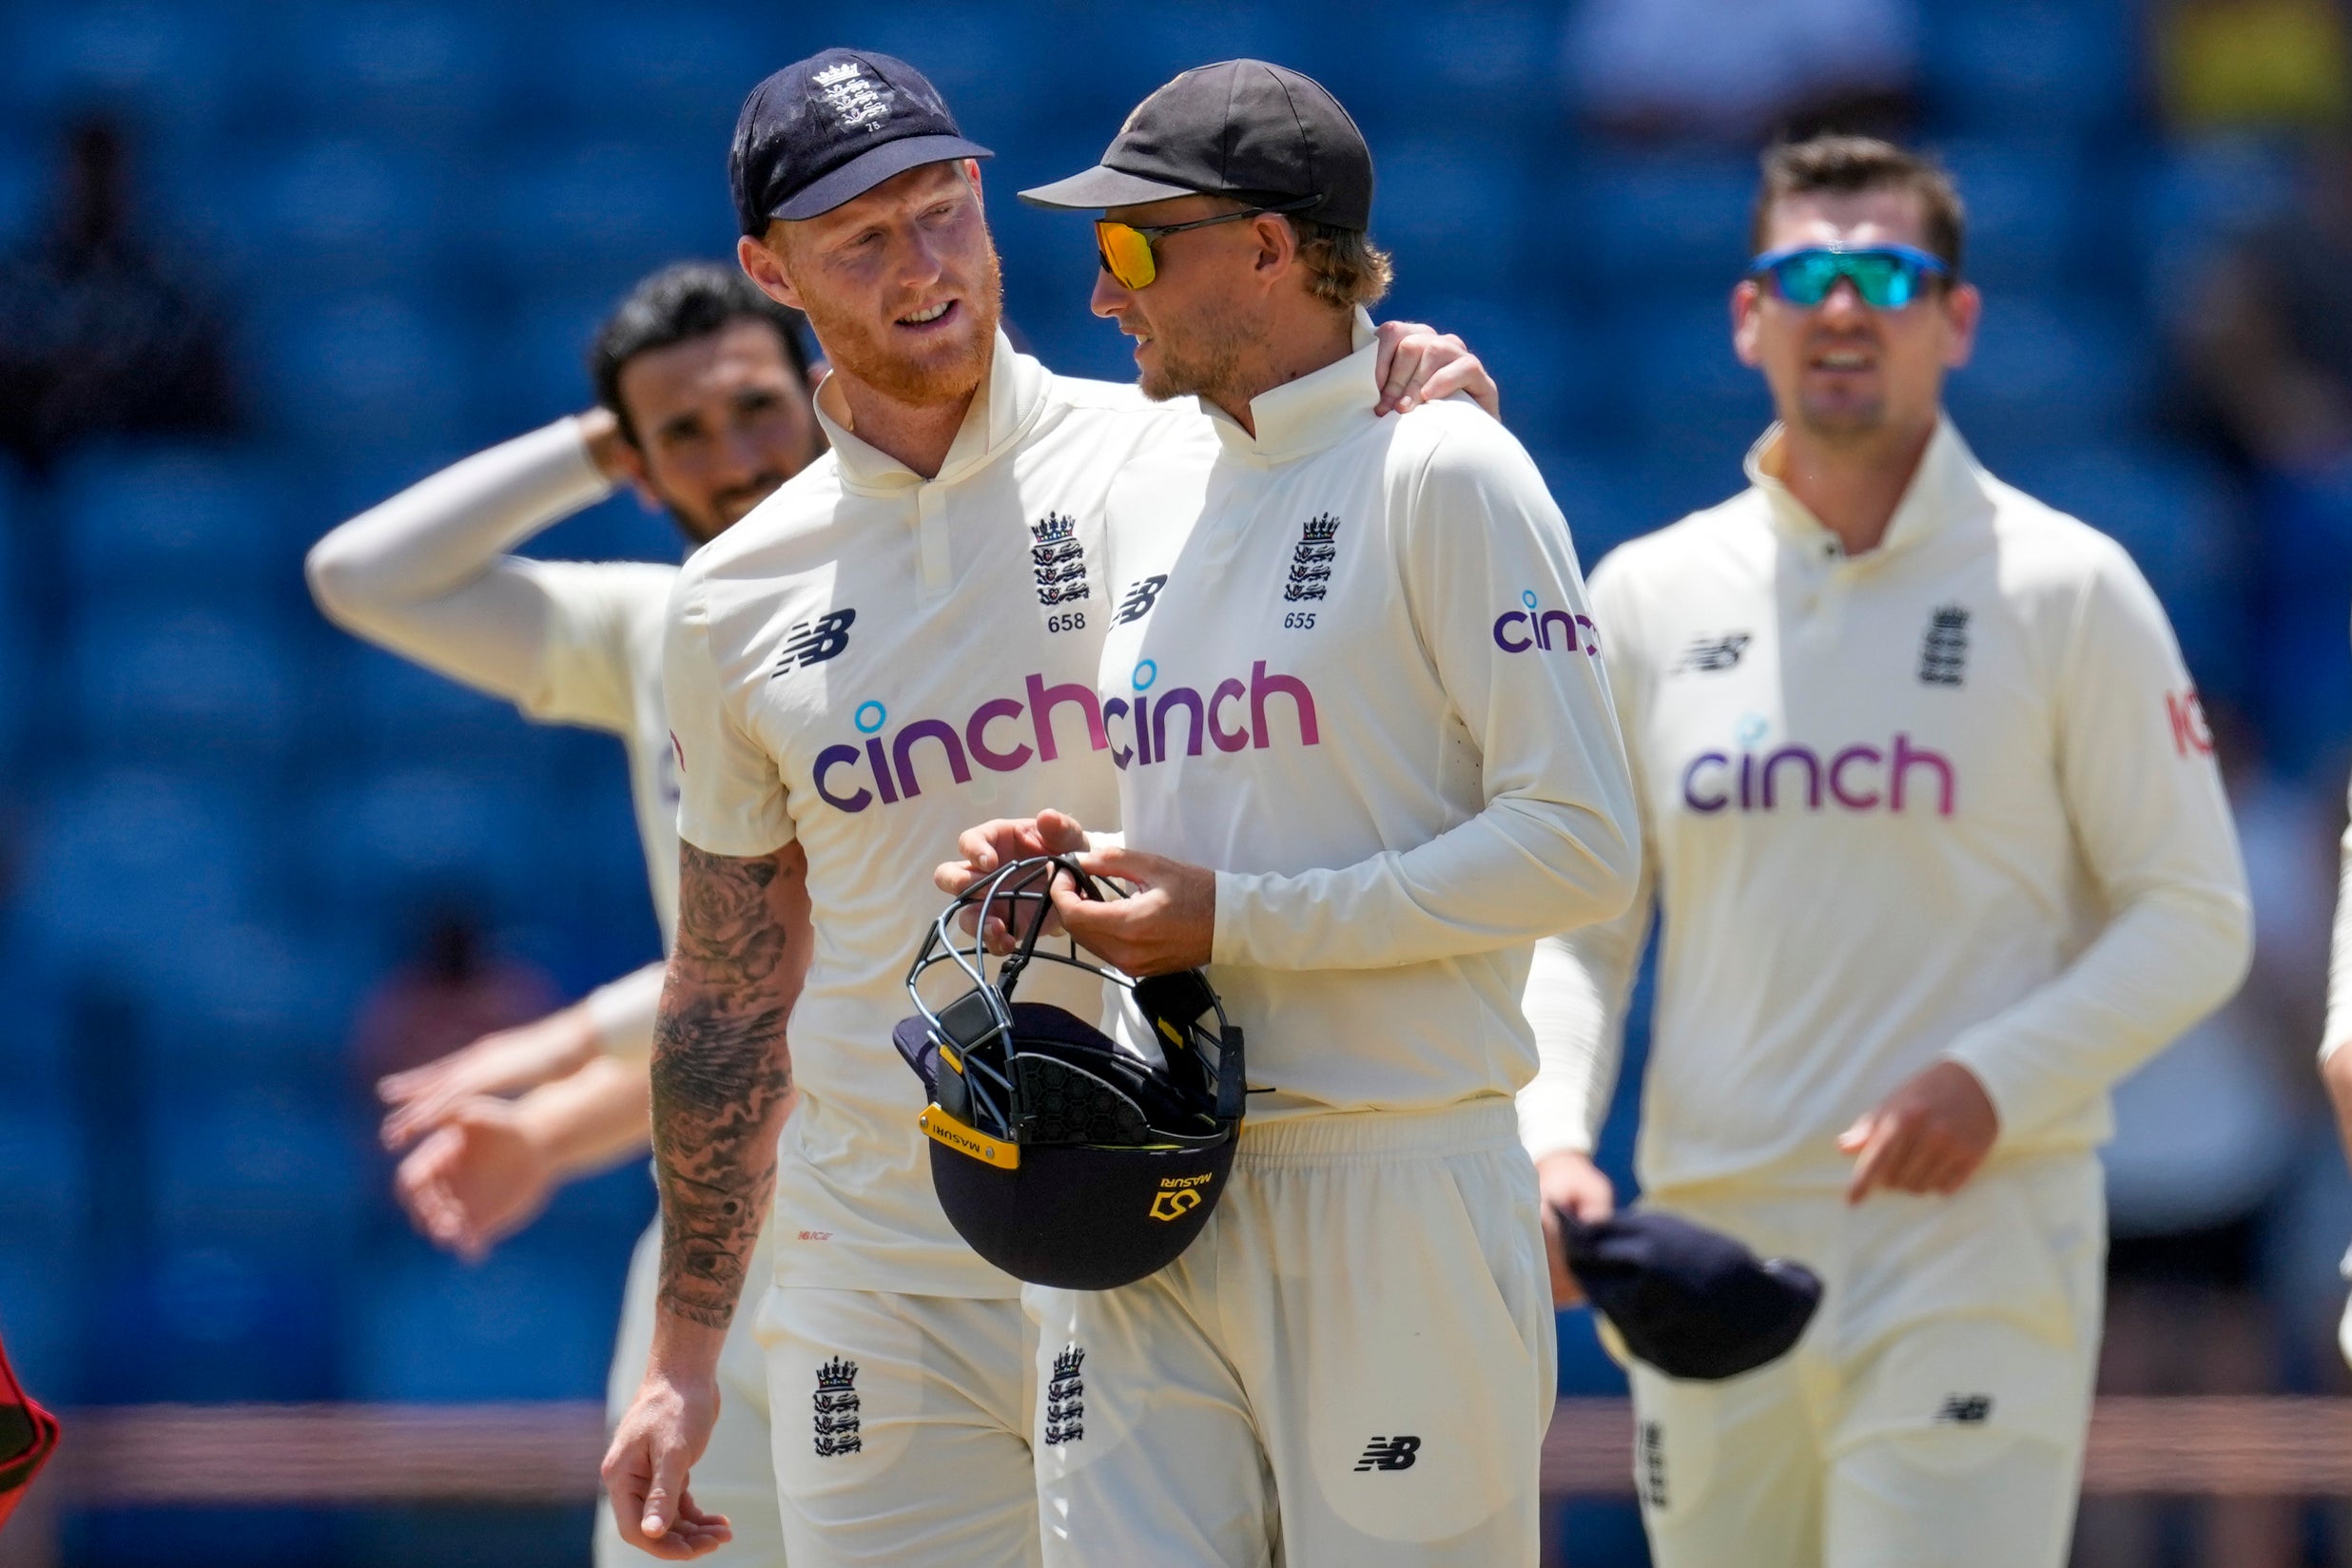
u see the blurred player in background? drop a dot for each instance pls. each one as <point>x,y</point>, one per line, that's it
<point>703,407</point>
<point>1355,1362</point>
<point>901,642</point>
<point>1941,853</point>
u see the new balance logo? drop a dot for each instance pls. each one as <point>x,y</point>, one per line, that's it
<point>813,641</point>
<point>1711,655</point>
<point>1966,1409</point>
<point>836,1403</point>
<point>1141,595</point>
<point>1943,652</point>
<point>1388,1454</point>
<point>1066,1398</point>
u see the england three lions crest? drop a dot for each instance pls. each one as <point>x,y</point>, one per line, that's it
<point>1058,560</point>
<point>1311,558</point>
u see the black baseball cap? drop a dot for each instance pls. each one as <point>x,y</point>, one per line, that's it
<point>834,127</point>
<point>1243,129</point>
<point>1689,1301</point>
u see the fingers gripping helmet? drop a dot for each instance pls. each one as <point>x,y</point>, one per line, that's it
<point>1059,1156</point>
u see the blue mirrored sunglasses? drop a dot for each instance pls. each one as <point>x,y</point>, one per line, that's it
<point>1887,276</point>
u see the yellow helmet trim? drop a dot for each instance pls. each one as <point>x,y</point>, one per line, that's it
<point>943,1128</point>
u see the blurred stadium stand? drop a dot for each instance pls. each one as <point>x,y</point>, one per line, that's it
<point>220,816</point>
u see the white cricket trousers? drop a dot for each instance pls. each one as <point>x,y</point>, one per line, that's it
<point>736,1475</point>
<point>900,1428</point>
<point>1352,1366</point>
<point>1934,1412</point>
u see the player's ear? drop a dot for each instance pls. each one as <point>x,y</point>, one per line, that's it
<point>1277,246</point>
<point>631,462</point>
<point>1747,317</point>
<point>764,266</point>
<point>1963,308</point>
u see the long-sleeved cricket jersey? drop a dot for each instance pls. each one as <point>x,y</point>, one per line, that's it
<point>1952,798</point>
<point>1351,669</point>
<point>426,575</point>
<point>867,664</point>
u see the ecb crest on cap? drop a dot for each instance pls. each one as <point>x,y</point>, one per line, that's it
<point>859,104</point>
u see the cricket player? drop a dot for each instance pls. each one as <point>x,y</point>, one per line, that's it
<point>1934,829</point>
<point>703,406</point>
<point>1366,755</point>
<point>901,641</point>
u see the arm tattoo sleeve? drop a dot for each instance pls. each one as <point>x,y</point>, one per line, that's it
<point>721,1071</point>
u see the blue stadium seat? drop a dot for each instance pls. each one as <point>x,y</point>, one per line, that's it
<point>338,213</point>
<point>2032,68</point>
<point>521,1325</point>
<point>1453,212</point>
<point>262,1004</point>
<point>209,1321</point>
<point>40,1169</point>
<point>172,520</point>
<point>127,861</point>
<point>189,685</point>
<point>23,185</point>
<point>2027,208</point>
<point>542,357</point>
<point>254,1163</point>
<point>1548,362</point>
<point>41,1310</point>
<point>1604,505</point>
<point>2048,371</point>
<point>592,218</point>
<point>678,71</point>
<point>1658,219</point>
<point>388,708</point>
<point>1676,356</point>
<point>367,370</point>
<point>2191,199</point>
<point>387,836</point>
<point>433,73</point>
<point>173,65</point>
<point>32,1035</point>
<point>2176,510</point>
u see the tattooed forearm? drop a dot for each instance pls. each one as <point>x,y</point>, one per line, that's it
<point>721,1071</point>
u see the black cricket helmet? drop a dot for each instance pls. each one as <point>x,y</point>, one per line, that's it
<point>1060,1156</point>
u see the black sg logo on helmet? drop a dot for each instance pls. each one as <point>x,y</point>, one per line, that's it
<point>1062,1158</point>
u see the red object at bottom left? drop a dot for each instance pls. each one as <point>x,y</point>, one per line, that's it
<point>27,1436</point>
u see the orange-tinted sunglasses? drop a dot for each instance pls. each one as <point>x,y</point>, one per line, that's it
<point>1126,248</point>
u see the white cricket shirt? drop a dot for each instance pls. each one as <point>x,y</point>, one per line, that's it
<point>1951,798</point>
<point>1353,671</point>
<point>426,575</point>
<point>870,662</point>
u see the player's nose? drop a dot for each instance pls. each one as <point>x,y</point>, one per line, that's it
<point>1110,296</point>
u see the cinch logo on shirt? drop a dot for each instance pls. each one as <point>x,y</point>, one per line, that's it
<point>851,777</point>
<point>1518,630</point>
<point>1208,718</point>
<point>1859,778</point>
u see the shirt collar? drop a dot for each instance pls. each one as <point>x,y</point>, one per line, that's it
<point>1008,401</point>
<point>1948,479</point>
<point>1311,414</point>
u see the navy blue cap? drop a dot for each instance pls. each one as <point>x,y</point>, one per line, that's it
<point>831,127</point>
<point>1691,1302</point>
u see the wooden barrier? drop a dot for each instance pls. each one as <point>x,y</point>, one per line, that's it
<point>193,1454</point>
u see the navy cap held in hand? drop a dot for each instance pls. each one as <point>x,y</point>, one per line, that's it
<point>831,127</point>
<point>1689,1301</point>
<point>1260,132</point>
